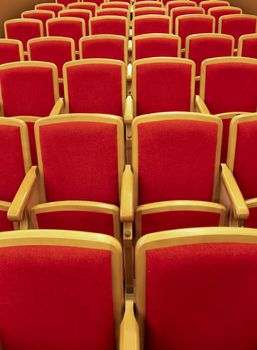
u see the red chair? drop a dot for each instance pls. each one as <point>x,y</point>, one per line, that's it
<point>127,1</point>
<point>65,2</point>
<point>81,275</point>
<point>149,11</point>
<point>97,2</point>
<point>247,45</point>
<point>73,28</point>
<point>115,4</point>
<point>91,6</point>
<point>207,4</point>
<point>78,13</point>
<point>114,12</point>
<point>42,15</point>
<point>11,50</point>
<point>23,30</point>
<point>178,3</point>
<point>151,24</point>
<point>117,25</point>
<point>50,7</point>
<point>147,3</point>
<point>180,11</point>
<point>237,25</point>
<point>156,45</point>
<point>227,88</point>
<point>217,12</point>
<point>192,284</point>
<point>193,24</point>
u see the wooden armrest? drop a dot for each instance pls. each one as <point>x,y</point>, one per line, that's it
<point>201,106</point>
<point>128,115</point>
<point>58,107</point>
<point>129,330</point>
<point>127,195</point>
<point>240,209</point>
<point>129,71</point>
<point>15,212</point>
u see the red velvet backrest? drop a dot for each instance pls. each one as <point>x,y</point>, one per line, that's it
<point>230,86</point>
<point>109,25</point>
<point>84,6</point>
<point>87,161</point>
<point>65,2</point>
<point>180,11</point>
<point>152,24</point>
<point>9,51</point>
<point>43,16</point>
<point>195,294</point>
<point>115,5</point>
<point>71,28</point>
<point>209,4</point>
<point>127,1</point>
<point>103,48</point>
<point>237,26</point>
<point>245,166</point>
<point>12,169</point>
<point>217,12</point>
<point>23,30</point>
<point>149,11</point>
<point>203,47</point>
<point>56,8</point>
<point>172,4</point>
<point>249,48</point>
<point>141,4</point>
<point>163,86</point>
<point>84,14</point>
<point>27,90</point>
<point>193,24</point>
<point>95,88</point>
<point>182,160</point>
<point>55,51</point>
<point>153,46</point>
<point>113,12</point>
<point>68,293</point>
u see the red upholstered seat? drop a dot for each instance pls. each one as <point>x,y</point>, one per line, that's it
<point>72,283</point>
<point>147,3</point>
<point>217,12</point>
<point>192,284</point>
<point>247,45</point>
<point>50,7</point>
<point>206,5</point>
<point>180,11</point>
<point>149,11</point>
<point>11,50</point>
<point>156,45</point>
<point>78,13</point>
<point>151,24</point>
<point>88,196</point>
<point>178,3</point>
<point>42,15</point>
<point>91,6</point>
<point>117,25</point>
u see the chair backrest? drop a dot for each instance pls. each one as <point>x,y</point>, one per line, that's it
<point>186,25</point>
<point>237,25</point>
<point>115,4</point>
<point>114,12</point>
<point>95,86</point>
<point>74,28</point>
<point>197,279</point>
<point>228,84</point>
<point>97,2</point>
<point>149,11</point>
<point>117,25</point>
<point>163,84</point>
<point>178,3</point>
<point>199,47</point>
<point>28,88</point>
<point>90,158</point>
<point>207,4</point>
<point>55,273</point>
<point>217,12</point>
<point>11,50</point>
<point>78,13</point>
<point>247,45</point>
<point>127,1</point>
<point>91,6</point>
<point>151,24</point>
<point>50,7</point>
<point>23,29</point>
<point>65,2</point>
<point>177,142</point>
<point>42,15</point>
<point>156,45</point>
<point>147,3</point>
<point>57,50</point>
<point>104,46</point>
<point>180,11</point>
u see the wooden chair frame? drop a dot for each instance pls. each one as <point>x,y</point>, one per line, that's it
<point>151,17</point>
<point>100,18</point>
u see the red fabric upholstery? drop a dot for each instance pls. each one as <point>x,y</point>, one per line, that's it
<point>195,294</point>
<point>71,29</point>
<point>5,224</point>
<point>104,48</point>
<point>202,48</point>
<point>9,52</point>
<point>12,170</point>
<point>231,86</point>
<point>207,5</point>
<point>182,160</point>
<point>177,219</point>
<point>193,25</point>
<point>190,10</point>
<point>113,12</point>
<point>163,87</point>
<point>245,166</point>
<point>56,8</point>
<point>84,14</point>
<point>95,88</point>
<point>237,26</point>
<point>19,94</point>
<point>252,220</point>
<point>107,5</point>
<point>105,25</point>
<point>90,166</point>
<point>37,14</point>
<point>150,11</point>
<point>23,31</point>
<point>65,2</point>
<point>68,292</point>
<point>77,220</point>
<point>84,6</point>
<point>250,47</point>
<point>177,3</point>
<point>156,47</point>
<point>55,51</point>
<point>151,24</point>
<point>224,10</point>
<point>141,4</point>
